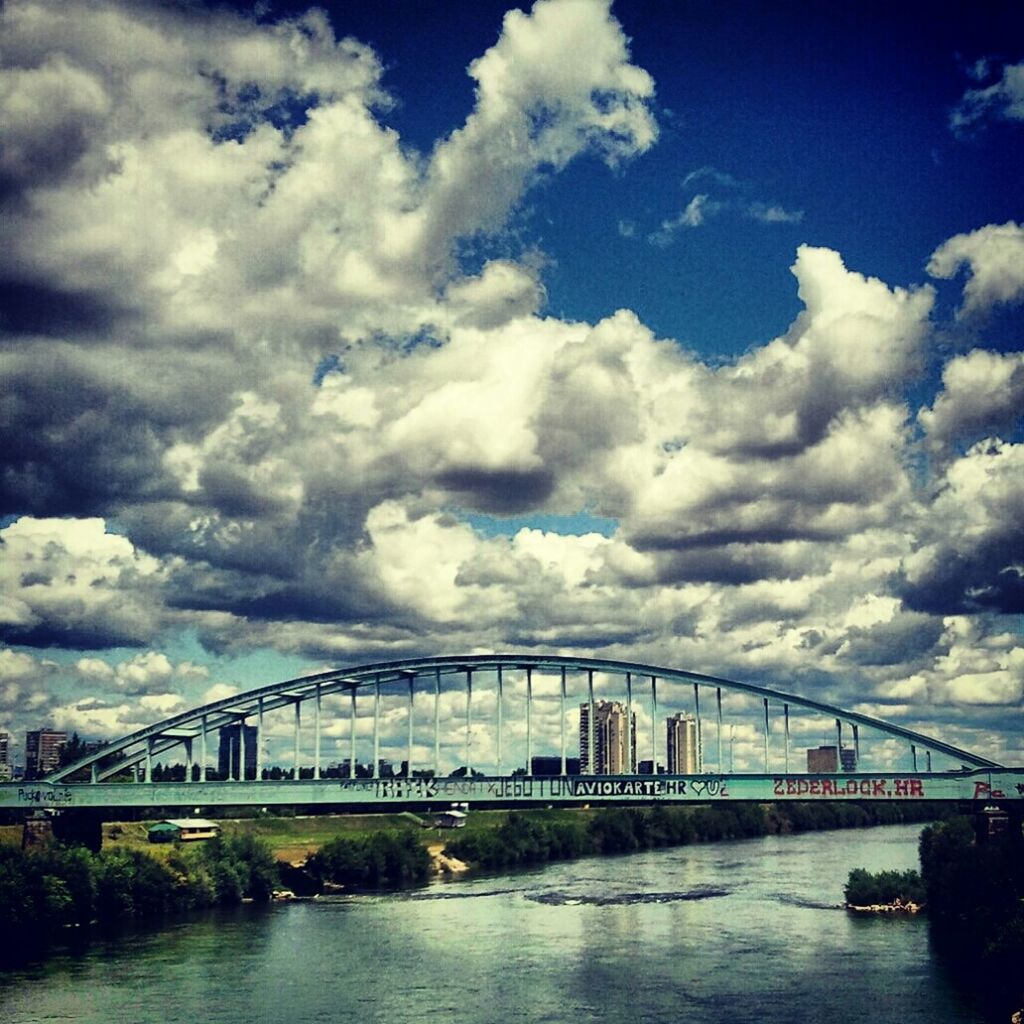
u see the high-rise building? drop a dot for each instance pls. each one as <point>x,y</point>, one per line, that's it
<point>614,739</point>
<point>42,751</point>
<point>848,759</point>
<point>6,768</point>
<point>681,745</point>
<point>821,760</point>
<point>229,754</point>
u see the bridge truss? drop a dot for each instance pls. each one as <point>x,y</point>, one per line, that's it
<point>122,772</point>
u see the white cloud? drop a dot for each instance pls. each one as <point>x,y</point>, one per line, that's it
<point>287,397</point>
<point>1002,100</point>
<point>994,257</point>
<point>981,392</point>
<point>79,585</point>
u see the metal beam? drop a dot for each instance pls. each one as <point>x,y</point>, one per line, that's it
<point>279,694</point>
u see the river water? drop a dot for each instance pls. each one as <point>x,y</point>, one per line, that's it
<point>733,932</point>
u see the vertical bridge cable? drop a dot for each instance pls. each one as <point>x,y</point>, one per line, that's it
<point>766,735</point>
<point>718,702</point>
<point>437,722</point>
<point>839,745</point>
<point>469,721</point>
<point>376,727</point>
<point>298,726</point>
<point>562,724</point>
<point>591,724</point>
<point>408,755</point>
<point>654,725</point>
<point>498,724</point>
<point>316,733</point>
<point>700,733</point>
<point>352,733</point>
<point>240,774</point>
<point>529,721</point>
<point>259,740</point>
<point>202,751</point>
<point>629,722</point>
<point>785,715</point>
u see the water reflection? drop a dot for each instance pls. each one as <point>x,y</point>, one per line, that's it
<point>737,932</point>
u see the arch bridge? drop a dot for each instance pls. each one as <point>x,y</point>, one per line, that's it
<point>129,772</point>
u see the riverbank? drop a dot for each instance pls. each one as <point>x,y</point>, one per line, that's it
<point>48,889</point>
<point>711,934</point>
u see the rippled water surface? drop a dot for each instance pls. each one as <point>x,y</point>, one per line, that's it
<point>735,932</point>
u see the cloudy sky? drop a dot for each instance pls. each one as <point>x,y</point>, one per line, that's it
<point>678,333</point>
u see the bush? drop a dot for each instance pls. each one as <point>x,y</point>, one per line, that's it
<point>380,860</point>
<point>864,889</point>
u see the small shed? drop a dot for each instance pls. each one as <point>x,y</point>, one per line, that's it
<point>183,829</point>
<point>451,819</point>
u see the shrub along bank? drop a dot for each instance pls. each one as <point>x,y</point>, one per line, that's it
<point>53,886</point>
<point>383,860</point>
<point>974,894</point>
<point>884,888</point>
<point>531,840</point>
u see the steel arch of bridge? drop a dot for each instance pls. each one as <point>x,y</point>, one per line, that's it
<point>196,723</point>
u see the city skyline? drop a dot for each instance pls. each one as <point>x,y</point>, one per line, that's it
<point>679,335</point>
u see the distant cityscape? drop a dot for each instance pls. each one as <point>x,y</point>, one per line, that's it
<point>606,747</point>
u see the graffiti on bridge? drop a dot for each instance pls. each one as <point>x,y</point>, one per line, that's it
<point>870,789</point>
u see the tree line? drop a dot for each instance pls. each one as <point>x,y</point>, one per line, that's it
<point>528,840</point>
<point>46,889</point>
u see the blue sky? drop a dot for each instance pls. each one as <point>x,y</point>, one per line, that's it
<point>686,333</point>
<point>843,116</point>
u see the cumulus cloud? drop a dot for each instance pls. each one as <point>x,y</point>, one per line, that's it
<point>994,258</point>
<point>968,557</point>
<point>982,392</point>
<point>69,583</point>
<point>271,418</point>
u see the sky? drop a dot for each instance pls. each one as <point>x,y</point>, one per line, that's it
<point>681,333</point>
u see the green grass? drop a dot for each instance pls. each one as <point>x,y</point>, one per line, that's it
<point>293,837</point>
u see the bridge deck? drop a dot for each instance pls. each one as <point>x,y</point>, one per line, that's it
<point>963,786</point>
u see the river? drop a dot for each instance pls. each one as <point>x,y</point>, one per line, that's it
<point>732,932</point>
